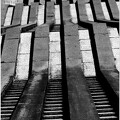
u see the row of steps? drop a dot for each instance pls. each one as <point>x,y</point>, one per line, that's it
<point>10,99</point>
<point>101,101</point>
<point>53,103</point>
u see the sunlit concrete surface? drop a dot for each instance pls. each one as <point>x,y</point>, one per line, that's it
<point>54,56</point>
<point>54,36</point>
<point>23,57</point>
<point>85,45</point>
<point>113,32</point>
<point>0,40</point>
<point>41,11</point>
<point>83,34</point>
<point>73,13</point>
<point>118,4</point>
<point>89,12</point>
<point>24,18</point>
<point>115,44</point>
<point>89,69</point>
<point>105,11</point>
<point>87,56</point>
<point>57,14</point>
<point>86,50</point>
<point>30,1</point>
<point>8,16</point>
<point>13,2</point>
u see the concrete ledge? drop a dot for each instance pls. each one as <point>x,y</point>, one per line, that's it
<point>80,102</point>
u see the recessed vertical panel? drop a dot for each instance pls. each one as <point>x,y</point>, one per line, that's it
<point>57,14</point>
<point>23,58</point>
<point>24,18</point>
<point>54,56</point>
<point>8,16</point>
<point>89,12</point>
<point>105,11</point>
<point>73,13</point>
<point>41,14</point>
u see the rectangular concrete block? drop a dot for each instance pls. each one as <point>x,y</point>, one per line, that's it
<point>42,31</point>
<point>40,55</point>
<point>3,13</point>
<point>100,28</point>
<point>82,12</point>
<point>7,70</point>
<point>12,33</point>
<point>41,43</point>
<point>66,11</point>
<point>83,34</point>
<point>18,11</point>
<point>70,30</point>
<point>9,52</point>
<point>98,10</point>
<point>104,51</point>
<point>33,12</point>
<point>113,9</point>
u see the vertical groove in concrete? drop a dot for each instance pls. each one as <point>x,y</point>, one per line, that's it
<point>23,57</point>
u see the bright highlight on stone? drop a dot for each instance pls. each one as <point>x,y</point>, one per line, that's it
<point>57,14</point>
<point>85,48</point>
<point>25,15</point>
<point>8,16</point>
<point>105,11</point>
<point>54,56</point>
<point>22,70</point>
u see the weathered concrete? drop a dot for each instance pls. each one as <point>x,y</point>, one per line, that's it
<point>17,14</point>
<point>98,10</point>
<point>42,31</point>
<point>33,12</point>
<point>7,70</point>
<point>9,52</point>
<point>113,9</point>
<point>12,33</point>
<point>32,97</point>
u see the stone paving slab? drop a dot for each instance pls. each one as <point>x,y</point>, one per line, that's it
<point>33,12</point>
<point>9,52</point>
<point>12,33</point>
